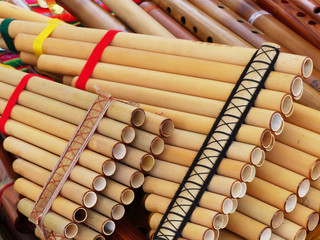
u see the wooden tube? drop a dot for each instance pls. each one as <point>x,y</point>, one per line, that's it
<point>85,233</point>
<point>118,192</point>
<point>213,201</point>
<point>165,20</point>
<point>100,223</point>
<point>284,178</point>
<point>51,221</point>
<point>291,159</point>
<point>62,206</point>
<point>191,231</point>
<point>39,175</point>
<point>247,227</point>
<point>272,194</point>
<point>109,207</point>
<point>128,176</point>
<point>138,159</point>
<point>290,230</point>
<point>137,19</point>
<point>201,216</point>
<point>260,211</point>
<point>158,125</point>
<point>310,7</point>
<point>312,199</point>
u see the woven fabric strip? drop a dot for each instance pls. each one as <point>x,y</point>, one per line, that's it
<point>68,160</point>
<point>4,30</point>
<point>217,143</point>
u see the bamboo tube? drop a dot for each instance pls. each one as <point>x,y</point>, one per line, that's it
<point>165,20</point>
<point>109,207</point>
<point>311,200</point>
<point>260,211</point>
<point>310,96</point>
<point>213,201</point>
<point>290,158</point>
<point>42,157</point>
<point>290,230</point>
<point>138,159</point>
<point>247,227</point>
<point>85,233</point>
<point>272,194</point>
<point>128,176</point>
<point>299,65</point>
<point>225,234</point>
<point>191,231</point>
<point>310,7</point>
<point>276,237</point>
<point>304,217</point>
<point>136,18</point>
<point>71,190</point>
<point>51,221</point>
<point>92,15</point>
<point>62,206</point>
<point>201,216</point>
<point>158,125</point>
<point>315,184</point>
<point>100,223</point>
<point>118,110</point>
<point>284,178</point>
<point>118,192</point>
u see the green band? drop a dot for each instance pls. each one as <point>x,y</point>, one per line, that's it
<point>4,27</point>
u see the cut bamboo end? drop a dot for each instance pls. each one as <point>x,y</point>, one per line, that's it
<point>128,134</point>
<point>313,221</point>
<point>80,215</point>
<point>234,205</point>
<point>287,105</point>
<point>137,179</point>
<point>225,220</point>
<point>209,235</point>
<point>277,219</point>
<point>166,128</point>
<point>138,117</point>
<point>290,203</point>
<point>90,199</point>
<point>307,68</point>
<point>303,188</point>
<point>236,189</point>
<point>315,170</point>
<point>117,212</point>
<point>257,156</point>
<point>127,196</point>
<point>276,123</point>
<point>99,183</point>
<point>218,221</point>
<point>109,168</point>
<point>119,151</point>
<point>267,140</point>
<point>301,234</point>
<point>108,227</point>
<point>265,234</point>
<point>244,190</point>
<point>246,172</point>
<point>253,174</point>
<point>157,146</point>
<point>71,230</point>
<point>227,206</point>
<point>297,88</point>
<point>147,162</point>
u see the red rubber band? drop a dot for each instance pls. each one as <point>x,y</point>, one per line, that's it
<point>93,59</point>
<point>5,188</point>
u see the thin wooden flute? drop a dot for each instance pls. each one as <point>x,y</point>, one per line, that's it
<point>272,194</point>
<point>137,19</point>
<point>128,176</point>
<point>165,20</point>
<point>287,63</point>
<point>284,178</point>
<point>120,132</point>
<point>311,200</point>
<point>191,231</point>
<point>85,233</point>
<point>62,206</point>
<point>158,125</point>
<point>109,208</point>
<point>51,221</point>
<point>118,192</point>
<point>100,223</point>
<point>260,211</point>
<point>290,230</point>
<point>294,160</point>
<point>247,227</point>
<point>304,217</point>
<point>138,159</point>
<point>201,216</point>
<point>213,201</point>
<point>310,7</point>
<point>71,190</point>
<point>119,111</point>
<point>92,15</point>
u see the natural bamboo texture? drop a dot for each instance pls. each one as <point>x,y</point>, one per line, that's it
<point>85,233</point>
<point>290,230</point>
<point>118,192</point>
<point>311,200</point>
<point>287,63</point>
<point>138,159</point>
<point>165,20</point>
<point>137,19</point>
<point>99,223</point>
<point>109,208</point>
<point>128,176</point>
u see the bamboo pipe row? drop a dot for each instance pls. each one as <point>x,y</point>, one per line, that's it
<point>288,63</point>
<point>290,230</point>
<point>99,223</point>
<point>311,200</point>
<point>118,192</point>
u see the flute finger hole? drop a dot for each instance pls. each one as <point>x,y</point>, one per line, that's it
<point>209,39</point>
<point>301,14</point>
<point>168,10</point>
<point>312,22</point>
<point>183,20</point>
<point>195,30</point>
<point>316,10</point>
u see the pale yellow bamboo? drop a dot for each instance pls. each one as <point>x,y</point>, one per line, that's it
<point>62,206</point>
<point>118,192</point>
<point>71,190</point>
<point>138,159</point>
<point>304,217</point>
<point>284,178</point>
<point>85,233</point>
<point>247,227</point>
<point>288,63</point>
<point>272,194</point>
<point>312,199</point>
<point>128,176</point>
<point>201,216</point>
<point>158,125</point>
<point>191,231</point>
<point>213,201</point>
<point>294,160</point>
<point>225,234</point>
<point>260,211</point>
<point>290,230</point>
<point>109,208</point>
<point>276,237</point>
<point>51,221</point>
<point>315,184</point>
<point>100,223</point>
<point>118,110</point>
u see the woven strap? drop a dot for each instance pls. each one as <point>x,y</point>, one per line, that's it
<point>217,143</point>
<point>4,30</point>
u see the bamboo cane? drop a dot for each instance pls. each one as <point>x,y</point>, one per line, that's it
<point>276,237</point>
<point>85,233</point>
<point>311,200</point>
<point>158,125</point>
<point>51,221</point>
<point>138,159</point>
<point>118,192</point>
<point>290,230</point>
<point>128,176</point>
<point>225,234</point>
<point>109,208</point>
<point>100,223</point>
<point>62,206</point>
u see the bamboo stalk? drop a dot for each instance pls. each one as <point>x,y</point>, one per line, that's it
<point>109,207</point>
<point>290,230</point>
<point>118,192</point>
<point>62,206</point>
<point>128,176</point>
<point>225,234</point>
<point>138,159</point>
<point>158,125</point>
<point>100,223</point>
<point>312,199</point>
<point>276,237</point>
<point>85,233</point>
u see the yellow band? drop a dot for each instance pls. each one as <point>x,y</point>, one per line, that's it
<point>7,66</point>
<point>38,42</point>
